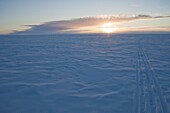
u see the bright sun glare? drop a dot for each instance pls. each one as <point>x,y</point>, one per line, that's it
<point>108,28</point>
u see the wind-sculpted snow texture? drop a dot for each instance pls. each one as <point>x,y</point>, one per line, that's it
<point>85,73</point>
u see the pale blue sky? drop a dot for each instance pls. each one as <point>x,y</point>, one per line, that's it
<point>15,13</point>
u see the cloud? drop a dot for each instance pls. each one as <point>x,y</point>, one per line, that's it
<point>82,25</point>
<point>147,29</point>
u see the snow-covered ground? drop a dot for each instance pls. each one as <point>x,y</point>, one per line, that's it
<point>85,74</point>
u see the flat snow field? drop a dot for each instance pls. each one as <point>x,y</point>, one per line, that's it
<point>125,73</point>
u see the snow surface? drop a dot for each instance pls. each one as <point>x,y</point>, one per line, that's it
<point>85,74</point>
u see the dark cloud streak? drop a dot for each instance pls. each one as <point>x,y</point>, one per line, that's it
<point>70,26</point>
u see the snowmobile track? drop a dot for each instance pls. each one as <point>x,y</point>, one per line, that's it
<point>148,97</point>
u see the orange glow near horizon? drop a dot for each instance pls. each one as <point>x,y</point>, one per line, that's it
<point>109,28</point>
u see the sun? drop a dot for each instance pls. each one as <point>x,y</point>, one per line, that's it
<point>108,28</point>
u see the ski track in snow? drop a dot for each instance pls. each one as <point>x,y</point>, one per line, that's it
<point>149,97</point>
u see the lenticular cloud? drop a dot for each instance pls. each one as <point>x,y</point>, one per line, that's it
<point>81,24</point>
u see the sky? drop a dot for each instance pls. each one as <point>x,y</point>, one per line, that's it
<point>83,16</point>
